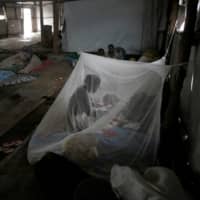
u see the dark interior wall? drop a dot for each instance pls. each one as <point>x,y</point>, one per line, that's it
<point>190,99</point>
<point>190,108</point>
<point>183,38</point>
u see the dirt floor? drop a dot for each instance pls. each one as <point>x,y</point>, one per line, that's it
<point>17,177</point>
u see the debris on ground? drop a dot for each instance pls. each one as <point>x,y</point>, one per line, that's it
<point>9,147</point>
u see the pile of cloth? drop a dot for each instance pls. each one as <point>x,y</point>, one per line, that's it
<point>113,52</point>
<point>149,55</point>
<point>154,183</point>
<point>16,69</point>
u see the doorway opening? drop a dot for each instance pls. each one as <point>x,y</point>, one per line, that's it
<point>27,23</point>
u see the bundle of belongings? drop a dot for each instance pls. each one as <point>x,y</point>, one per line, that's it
<point>157,183</point>
<point>150,55</point>
<point>16,62</point>
<point>107,113</point>
<point>113,52</point>
<point>15,69</point>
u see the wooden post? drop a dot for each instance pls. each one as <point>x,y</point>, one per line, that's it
<point>34,17</point>
<point>56,26</point>
<point>41,20</point>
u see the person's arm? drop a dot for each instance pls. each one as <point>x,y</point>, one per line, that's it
<point>83,103</point>
<point>78,105</point>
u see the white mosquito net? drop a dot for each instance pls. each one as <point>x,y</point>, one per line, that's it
<point>107,113</point>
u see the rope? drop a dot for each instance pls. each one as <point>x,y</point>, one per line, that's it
<point>171,39</point>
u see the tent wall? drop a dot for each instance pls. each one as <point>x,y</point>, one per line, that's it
<point>132,24</point>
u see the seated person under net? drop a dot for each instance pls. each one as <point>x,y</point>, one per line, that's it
<point>130,131</point>
<point>80,114</point>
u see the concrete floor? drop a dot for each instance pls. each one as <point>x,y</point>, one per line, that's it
<point>15,43</point>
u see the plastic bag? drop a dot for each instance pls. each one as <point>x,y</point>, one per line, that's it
<point>156,183</point>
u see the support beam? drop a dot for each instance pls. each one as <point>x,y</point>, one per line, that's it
<point>56,26</point>
<point>41,20</point>
<point>34,18</point>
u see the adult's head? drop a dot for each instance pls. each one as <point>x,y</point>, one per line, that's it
<point>111,47</point>
<point>92,82</point>
<point>101,52</point>
<point>111,50</point>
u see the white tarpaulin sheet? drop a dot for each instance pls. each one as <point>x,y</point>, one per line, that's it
<point>131,24</point>
<point>108,112</point>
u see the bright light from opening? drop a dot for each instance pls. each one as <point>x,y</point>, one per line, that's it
<point>182,2</point>
<point>192,83</point>
<point>182,27</point>
<point>198,8</point>
<point>2,17</point>
<point>27,22</point>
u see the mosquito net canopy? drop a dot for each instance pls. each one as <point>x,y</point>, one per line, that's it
<point>107,113</point>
